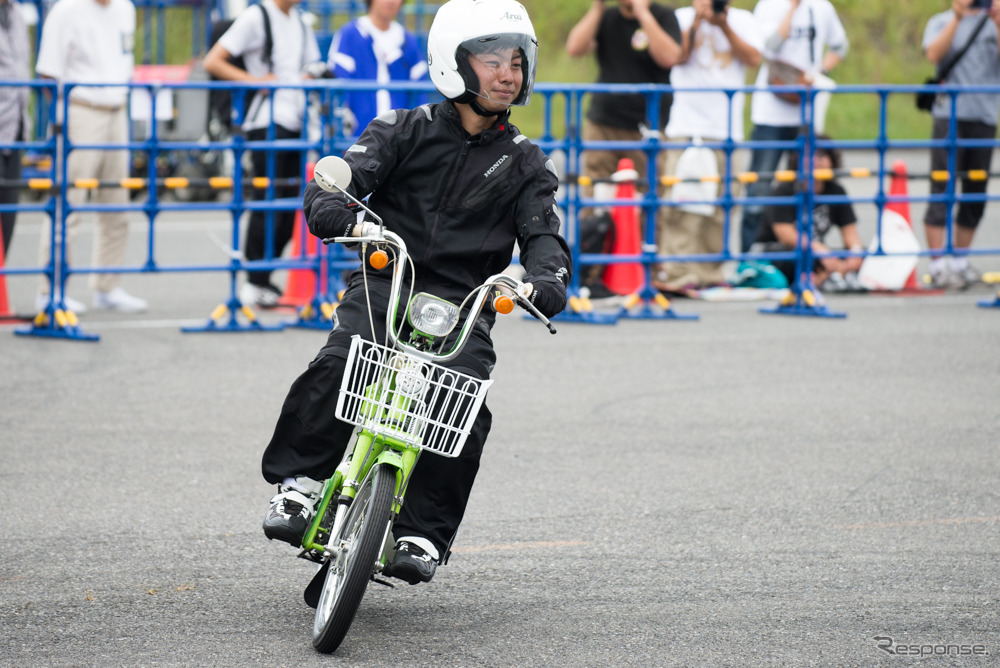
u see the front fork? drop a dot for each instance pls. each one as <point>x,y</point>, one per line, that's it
<point>369,451</point>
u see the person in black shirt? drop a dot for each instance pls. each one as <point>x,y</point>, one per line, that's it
<point>779,231</point>
<point>636,42</point>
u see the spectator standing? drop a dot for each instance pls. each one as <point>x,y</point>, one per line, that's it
<point>808,35</point>
<point>91,41</point>
<point>946,34</point>
<point>293,51</point>
<point>718,48</point>
<point>376,47</point>
<point>636,42</point>
<point>779,230</point>
<point>15,124</point>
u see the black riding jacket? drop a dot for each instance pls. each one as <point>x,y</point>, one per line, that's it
<point>460,202</point>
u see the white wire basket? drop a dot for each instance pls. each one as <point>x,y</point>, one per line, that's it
<point>397,395</point>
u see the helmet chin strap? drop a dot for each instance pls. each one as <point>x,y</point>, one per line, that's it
<point>482,111</point>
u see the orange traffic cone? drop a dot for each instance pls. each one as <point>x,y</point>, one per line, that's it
<point>301,284</point>
<point>626,278</point>
<point>4,302</point>
<point>898,188</point>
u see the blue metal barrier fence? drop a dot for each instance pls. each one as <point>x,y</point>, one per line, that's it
<point>562,113</point>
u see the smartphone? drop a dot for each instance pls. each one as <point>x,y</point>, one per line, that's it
<point>982,4</point>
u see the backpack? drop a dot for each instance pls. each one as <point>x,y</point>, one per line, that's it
<point>220,101</point>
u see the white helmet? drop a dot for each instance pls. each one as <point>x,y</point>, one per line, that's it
<point>464,27</point>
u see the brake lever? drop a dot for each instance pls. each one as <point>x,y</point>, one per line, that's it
<point>355,240</point>
<point>527,305</point>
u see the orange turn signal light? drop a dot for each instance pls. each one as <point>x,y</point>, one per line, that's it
<point>503,304</point>
<point>379,259</point>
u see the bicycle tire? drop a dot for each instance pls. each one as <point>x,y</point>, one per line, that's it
<point>365,528</point>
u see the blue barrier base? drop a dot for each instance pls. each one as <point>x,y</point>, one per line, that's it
<point>652,305</point>
<point>990,304</point>
<point>589,318</point>
<point>233,307</point>
<point>580,309</point>
<point>808,302</point>
<point>317,314</point>
<point>56,322</point>
<point>72,333</point>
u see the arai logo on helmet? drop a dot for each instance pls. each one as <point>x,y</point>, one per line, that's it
<point>507,16</point>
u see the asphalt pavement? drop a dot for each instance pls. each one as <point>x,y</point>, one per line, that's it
<point>739,490</point>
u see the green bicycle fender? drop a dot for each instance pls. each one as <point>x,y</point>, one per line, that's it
<point>395,460</point>
<point>329,489</point>
<point>403,462</point>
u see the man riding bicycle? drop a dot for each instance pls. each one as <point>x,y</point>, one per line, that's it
<point>460,185</point>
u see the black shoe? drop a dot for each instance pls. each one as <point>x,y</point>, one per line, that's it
<point>288,516</point>
<point>411,563</point>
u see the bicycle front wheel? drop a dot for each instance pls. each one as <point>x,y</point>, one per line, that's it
<point>356,551</point>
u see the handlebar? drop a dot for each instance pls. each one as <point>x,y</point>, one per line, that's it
<point>379,236</point>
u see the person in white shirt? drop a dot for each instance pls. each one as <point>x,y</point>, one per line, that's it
<point>808,36</point>
<point>718,49</point>
<point>91,41</point>
<point>293,51</point>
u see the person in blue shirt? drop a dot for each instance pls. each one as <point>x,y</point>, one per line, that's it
<point>376,47</point>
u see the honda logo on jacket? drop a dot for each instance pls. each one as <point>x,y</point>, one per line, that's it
<point>495,165</point>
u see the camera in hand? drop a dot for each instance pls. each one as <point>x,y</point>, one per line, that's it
<point>982,4</point>
<point>719,6</point>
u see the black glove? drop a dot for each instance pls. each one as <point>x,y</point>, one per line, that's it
<point>328,214</point>
<point>548,294</point>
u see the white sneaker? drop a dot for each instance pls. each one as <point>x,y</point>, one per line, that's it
<point>42,300</point>
<point>946,279</point>
<point>119,300</point>
<point>971,275</point>
<point>834,283</point>
<point>261,296</point>
<point>853,283</point>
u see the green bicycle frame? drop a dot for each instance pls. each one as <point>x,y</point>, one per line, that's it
<point>370,449</point>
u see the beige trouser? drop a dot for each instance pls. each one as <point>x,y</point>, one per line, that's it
<point>601,164</point>
<point>682,232</point>
<point>95,126</point>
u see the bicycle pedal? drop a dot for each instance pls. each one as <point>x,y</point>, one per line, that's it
<point>383,582</point>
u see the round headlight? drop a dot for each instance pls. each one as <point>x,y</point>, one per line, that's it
<point>432,316</point>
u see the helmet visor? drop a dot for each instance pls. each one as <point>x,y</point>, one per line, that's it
<point>501,65</point>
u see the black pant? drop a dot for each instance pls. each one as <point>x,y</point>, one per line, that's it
<point>969,213</point>
<point>762,161</point>
<point>287,165</point>
<point>10,170</point>
<point>308,440</point>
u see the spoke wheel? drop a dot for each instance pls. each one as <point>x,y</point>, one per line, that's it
<point>356,551</point>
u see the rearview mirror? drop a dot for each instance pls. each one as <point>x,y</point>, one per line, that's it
<point>332,173</point>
